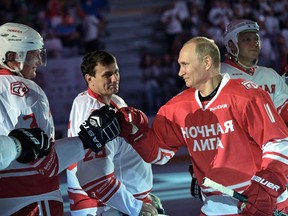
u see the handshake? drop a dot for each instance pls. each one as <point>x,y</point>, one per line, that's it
<point>104,125</point>
<point>101,127</point>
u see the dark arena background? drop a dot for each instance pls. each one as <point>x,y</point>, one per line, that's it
<point>133,31</point>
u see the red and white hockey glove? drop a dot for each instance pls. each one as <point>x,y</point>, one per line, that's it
<point>133,123</point>
<point>262,194</point>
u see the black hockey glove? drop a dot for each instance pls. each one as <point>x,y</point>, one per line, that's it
<point>195,189</point>
<point>34,142</point>
<point>101,127</point>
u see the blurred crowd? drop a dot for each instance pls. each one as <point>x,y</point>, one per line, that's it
<point>181,20</point>
<point>69,27</point>
<point>74,27</point>
<point>185,19</point>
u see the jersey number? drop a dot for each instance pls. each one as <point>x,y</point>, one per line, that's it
<point>268,110</point>
<point>32,118</point>
<point>90,155</point>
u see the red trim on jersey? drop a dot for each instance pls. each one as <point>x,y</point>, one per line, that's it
<point>109,185</point>
<point>6,72</point>
<point>71,167</point>
<point>29,169</point>
<point>80,201</point>
<point>48,165</point>
<point>164,155</point>
<point>145,199</point>
<point>95,95</point>
<point>55,208</point>
<point>98,180</point>
<point>99,98</point>
<point>29,185</point>
<point>143,193</point>
<point>234,64</point>
<point>102,187</point>
<point>276,154</point>
<point>143,196</point>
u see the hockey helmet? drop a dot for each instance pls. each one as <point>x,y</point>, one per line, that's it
<point>20,39</point>
<point>234,28</point>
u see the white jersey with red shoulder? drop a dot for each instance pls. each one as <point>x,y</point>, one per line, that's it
<point>267,78</point>
<point>117,175</point>
<point>223,138</point>
<point>24,104</point>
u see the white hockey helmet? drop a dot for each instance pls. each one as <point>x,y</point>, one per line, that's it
<point>20,39</point>
<point>234,28</point>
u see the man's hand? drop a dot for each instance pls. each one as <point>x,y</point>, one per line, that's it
<point>156,202</point>
<point>34,143</point>
<point>133,122</point>
<point>148,210</point>
<point>101,127</point>
<point>262,193</point>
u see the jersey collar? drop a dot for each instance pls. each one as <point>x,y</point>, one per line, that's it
<point>99,98</point>
<point>6,72</point>
<point>234,64</point>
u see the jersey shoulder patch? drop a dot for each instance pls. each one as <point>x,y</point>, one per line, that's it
<point>249,84</point>
<point>18,88</point>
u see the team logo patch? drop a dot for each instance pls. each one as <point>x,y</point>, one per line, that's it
<point>18,88</point>
<point>249,85</point>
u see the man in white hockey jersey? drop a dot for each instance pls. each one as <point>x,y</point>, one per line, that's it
<point>123,185</point>
<point>233,133</point>
<point>243,45</point>
<point>33,188</point>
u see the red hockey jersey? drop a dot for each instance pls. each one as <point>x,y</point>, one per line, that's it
<point>229,138</point>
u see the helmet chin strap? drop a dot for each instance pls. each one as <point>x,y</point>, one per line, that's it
<point>17,70</point>
<point>247,68</point>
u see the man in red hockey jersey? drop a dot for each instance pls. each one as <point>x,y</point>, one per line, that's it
<point>230,127</point>
<point>243,45</point>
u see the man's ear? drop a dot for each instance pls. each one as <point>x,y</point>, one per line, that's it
<point>207,62</point>
<point>10,60</point>
<point>10,56</point>
<point>87,78</point>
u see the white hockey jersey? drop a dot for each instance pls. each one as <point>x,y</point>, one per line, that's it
<point>267,78</point>
<point>9,151</point>
<point>116,177</point>
<point>23,104</point>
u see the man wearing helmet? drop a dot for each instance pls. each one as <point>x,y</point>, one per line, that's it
<point>29,185</point>
<point>243,46</point>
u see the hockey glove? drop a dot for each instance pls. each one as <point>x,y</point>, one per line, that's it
<point>101,127</point>
<point>195,189</point>
<point>148,209</point>
<point>34,142</point>
<point>156,202</point>
<point>133,123</point>
<point>262,194</point>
